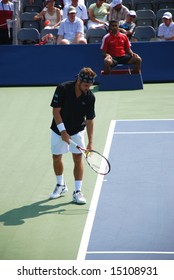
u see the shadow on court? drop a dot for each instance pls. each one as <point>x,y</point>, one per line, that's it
<point>18,216</point>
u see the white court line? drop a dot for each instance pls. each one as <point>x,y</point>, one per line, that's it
<point>145,120</point>
<point>131,252</point>
<point>93,206</point>
<point>144,132</point>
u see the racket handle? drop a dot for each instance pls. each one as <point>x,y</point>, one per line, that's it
<point>73,143</point>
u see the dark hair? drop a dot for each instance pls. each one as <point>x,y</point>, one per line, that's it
<point>113,21</point>
<point>87,75</point>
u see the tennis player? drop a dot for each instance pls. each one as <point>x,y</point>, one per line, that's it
<point>73,109</point>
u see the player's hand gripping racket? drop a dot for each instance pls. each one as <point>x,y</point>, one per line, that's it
<point>95,160</point>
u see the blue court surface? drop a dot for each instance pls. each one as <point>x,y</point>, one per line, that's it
<point>132,211</point>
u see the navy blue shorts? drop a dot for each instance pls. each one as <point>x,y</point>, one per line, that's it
<point>121,59</point>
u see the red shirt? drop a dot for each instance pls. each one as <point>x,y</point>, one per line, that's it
<point>115,45</point>
<point>6,12</point>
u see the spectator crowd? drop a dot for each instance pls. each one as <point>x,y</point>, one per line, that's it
<point>74,18</point>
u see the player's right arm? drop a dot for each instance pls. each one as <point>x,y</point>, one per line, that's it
<point>60,125</point>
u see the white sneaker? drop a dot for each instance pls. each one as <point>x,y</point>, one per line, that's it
<point>78,198</point>
<point>58,191</point>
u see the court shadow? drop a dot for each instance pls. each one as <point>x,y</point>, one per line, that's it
<point>18,216</point>
<point>73,212</point>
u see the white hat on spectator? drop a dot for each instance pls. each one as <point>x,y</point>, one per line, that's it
<point>115,3</point>
<point>167,15</point>
<point>132,13</point>
<point>71,10</point>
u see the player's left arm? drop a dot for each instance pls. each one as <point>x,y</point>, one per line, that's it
<point>128,47</point>
<point>90,131</point>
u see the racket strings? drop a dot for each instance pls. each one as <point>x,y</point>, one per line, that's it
<point>98,162</point>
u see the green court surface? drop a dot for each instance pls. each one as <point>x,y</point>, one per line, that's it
<point>33,227</point>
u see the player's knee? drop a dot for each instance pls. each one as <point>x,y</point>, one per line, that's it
<point>139,60</point>
<point>57,158</point>
<point>83,41</point>
<point>77,158</point>
<point>107,62</point>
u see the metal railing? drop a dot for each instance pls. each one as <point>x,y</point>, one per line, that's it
<point>16,20</point>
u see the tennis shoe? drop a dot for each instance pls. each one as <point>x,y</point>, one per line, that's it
<point>78,198</point>
<point>58,191</point>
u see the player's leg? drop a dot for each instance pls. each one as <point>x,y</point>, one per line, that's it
<point>136,60</point>
<point>108,62</point>
<point>78,168</point>
<point>78,179</point>
<point>58,147</point>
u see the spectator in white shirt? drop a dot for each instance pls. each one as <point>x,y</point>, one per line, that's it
<point>68,2</point>
<point>81,10</point>
<point>71,30</point>
<point>166,29</point>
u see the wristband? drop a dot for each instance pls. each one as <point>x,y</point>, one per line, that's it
<point>61,127</point>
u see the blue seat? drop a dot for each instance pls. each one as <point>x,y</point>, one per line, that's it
<point>162,4</point>
<point>145,18</point>
<point>27,21</point>
<point>28,36</point>
<point>144,5</point>
<point>144,33</point>
<point>95,35</point>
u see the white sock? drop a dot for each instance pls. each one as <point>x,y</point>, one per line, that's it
<point>78,185</point>
<point>60,179</point>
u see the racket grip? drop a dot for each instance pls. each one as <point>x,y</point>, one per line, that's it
<point>72,142</point>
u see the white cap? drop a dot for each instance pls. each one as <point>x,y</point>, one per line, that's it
<point>132,13</point>
<point>71,10</point>
<point>115,3</point>
<point>167,15</point>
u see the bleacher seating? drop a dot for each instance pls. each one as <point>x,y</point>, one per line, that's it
<point>144,33</point>
<point>128,4</point>
<point>28,36</point>
<point>27,21</point>
<point>149,13</point>
<point>145,18</point>
<point>29,6</point>
<point>143,5</point>
<point>162,4</point>
<point>95,35</point>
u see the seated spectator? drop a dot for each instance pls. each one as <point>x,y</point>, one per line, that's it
<point>116,49</point>
<point>71,30</point>
<point>50,15</point>
<point>117,10</point>
<point>81,10</point>
<point>98,14</point>
<point>128,25</point>
<point>6,16</point>
<point>166,29</point>
<point>68,2</point>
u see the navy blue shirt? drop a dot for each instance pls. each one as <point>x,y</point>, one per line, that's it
<point>74,110</point>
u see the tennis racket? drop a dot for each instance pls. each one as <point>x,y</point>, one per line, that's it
<point>95,160</point>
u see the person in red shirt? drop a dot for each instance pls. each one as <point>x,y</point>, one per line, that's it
<point>6,16</point>
<point>116,48</point>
